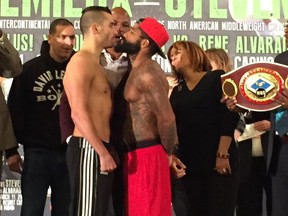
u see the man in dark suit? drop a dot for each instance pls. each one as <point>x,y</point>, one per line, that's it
<point>253,175</point>
<point>10,66</point>
<point>279,152</point>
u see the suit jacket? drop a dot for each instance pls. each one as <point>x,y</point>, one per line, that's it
<point>273,147</point>
<point>245,147</point>
<point>10,66</point>
<point>274,140</point>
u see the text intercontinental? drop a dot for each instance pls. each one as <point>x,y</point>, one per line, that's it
<point>24,24</point>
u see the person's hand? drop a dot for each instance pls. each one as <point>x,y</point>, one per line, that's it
<point>15,163</point>
<point>223,166</point>
<point>263,125</point>
<point>170,159</point>
<point>230,102</point>
<point>115,156</point>
<point>177,167</point>
<point>282,98</point>
<point>107,163</point>
<point>237,134</point>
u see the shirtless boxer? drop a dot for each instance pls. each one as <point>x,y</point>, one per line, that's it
<point>89,162</point>
<point>150,129</point>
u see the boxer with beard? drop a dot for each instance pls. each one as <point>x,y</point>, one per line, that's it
<point>150,128</point>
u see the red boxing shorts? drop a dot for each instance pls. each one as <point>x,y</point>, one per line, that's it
<point>147,182</point>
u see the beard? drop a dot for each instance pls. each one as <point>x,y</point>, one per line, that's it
<point>128,47</point>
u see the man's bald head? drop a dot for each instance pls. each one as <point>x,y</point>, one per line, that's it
<point>122,20</point>
<point>120,10</point>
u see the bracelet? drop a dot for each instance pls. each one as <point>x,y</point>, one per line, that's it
<point>223,156</point>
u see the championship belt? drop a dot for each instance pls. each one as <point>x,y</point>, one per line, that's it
<point>256,85</point>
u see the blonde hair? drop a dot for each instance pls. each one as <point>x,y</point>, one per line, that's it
<point>220,57</point>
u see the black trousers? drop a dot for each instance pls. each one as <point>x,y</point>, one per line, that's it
<point>206,194</point>
<point>250,194</point>
<point>43,168</point>
<point>90,190</point>
<point>279,183</point>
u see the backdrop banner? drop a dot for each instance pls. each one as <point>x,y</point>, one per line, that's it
<point>249,30</point>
